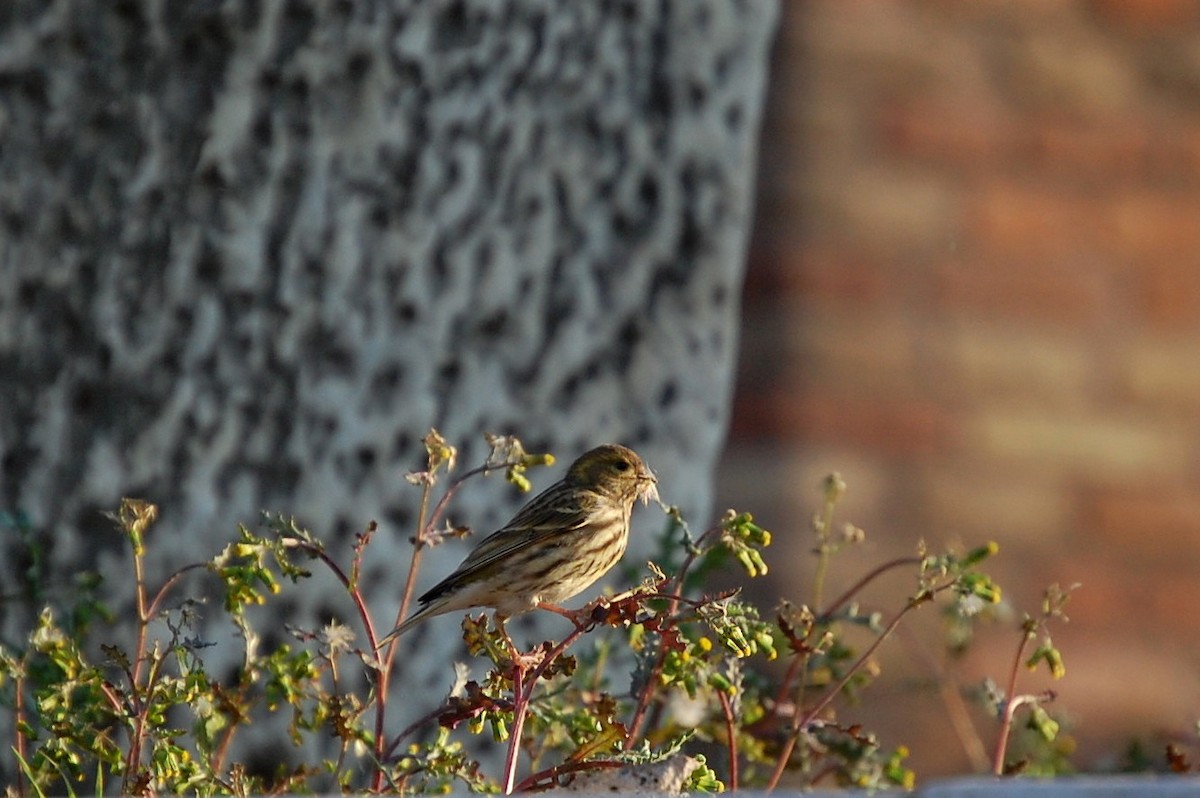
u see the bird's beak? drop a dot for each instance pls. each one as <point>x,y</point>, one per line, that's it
<point>648,490</point>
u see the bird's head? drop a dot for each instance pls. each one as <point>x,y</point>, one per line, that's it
<point>614,471</point>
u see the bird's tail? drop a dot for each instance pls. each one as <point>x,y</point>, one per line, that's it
<point>427,611</point>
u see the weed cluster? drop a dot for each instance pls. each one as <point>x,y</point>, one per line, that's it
<point>692,665</point>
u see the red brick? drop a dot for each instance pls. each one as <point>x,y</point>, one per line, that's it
<point>888,424</point>
<point>1147,525</point>
<point>1084,153</point>
<point>1018,363</point>
<point>1044,296</point>
<point>970,138</point>
<point>1033,221</point>
<point>1168,296</point>
<point>757,415</point>
<point>1026,289</point>
<point>1151,225</point>
<point>1159,373</point>
<point>1147,16</point>
<point>814,274</point>
<point>1173,155</point>
<point>1106,446</point>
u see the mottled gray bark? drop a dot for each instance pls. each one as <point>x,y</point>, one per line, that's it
<point>251,251</point>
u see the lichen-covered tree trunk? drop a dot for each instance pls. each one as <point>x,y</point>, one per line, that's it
<point>251,251</point>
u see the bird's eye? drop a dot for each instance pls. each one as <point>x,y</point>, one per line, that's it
<point>621,465</point>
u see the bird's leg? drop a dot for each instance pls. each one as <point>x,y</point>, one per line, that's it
<point>580,618</point>
<point>508,643</point>
<point>522,662</point>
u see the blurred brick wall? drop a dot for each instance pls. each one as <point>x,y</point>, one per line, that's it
<point>974,290</point>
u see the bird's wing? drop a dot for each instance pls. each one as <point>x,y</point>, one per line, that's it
<point>544,517</point>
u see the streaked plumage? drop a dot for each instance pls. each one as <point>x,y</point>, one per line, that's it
<point>556,546</point>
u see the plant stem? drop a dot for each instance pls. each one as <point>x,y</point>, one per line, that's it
<point>133,757</point>
<point>802,722</point>
<point>1010,703</point>
<point>673,600</point>
<point>19,717</point>
<point>825,615</point>
<point>823,555</point>
<point>152,610</point>
<point>414,565</point>
<point>521,696</point>
<point>532,782</point>
<point>520,708</point>
<point>364,616</point>
<point>731,733</point>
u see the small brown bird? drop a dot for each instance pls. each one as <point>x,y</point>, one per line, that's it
<point>556,546</point>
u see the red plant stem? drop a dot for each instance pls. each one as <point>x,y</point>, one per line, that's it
<point>146,613</point>
<point>638,720</point>
<point>1010,708</point>
<point>520,707</point>
<point>802,722</point>
<point>414,565</point>
<point>152,610</point>
<point>452,488</point>
<point>364,615</point>
<point>800,659</point>
<point>643,704</point>
<point>533,783</point>
<point>412,727</point>
<point>134,756</point>
<point>824,615</point>
<point>727,709</point>
<point>648,689</point>
<point>426,521</point>
<point>521,696</point>
<point>794,668</point>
